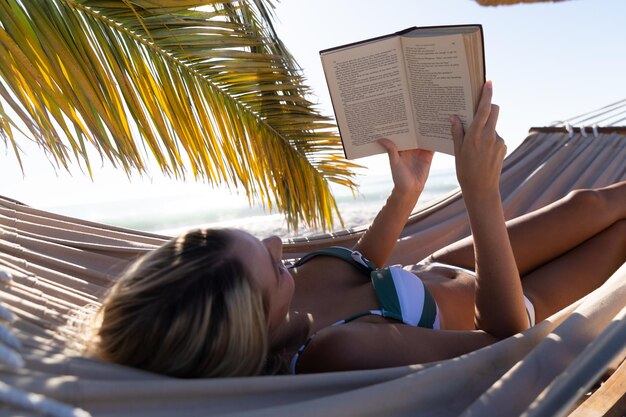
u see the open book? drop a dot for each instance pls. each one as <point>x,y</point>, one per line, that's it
<point>404,87</point>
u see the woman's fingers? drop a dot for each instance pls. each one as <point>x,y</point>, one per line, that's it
<point>456,129</point>
<point>502,145</point>
<point>484,122</point>
<point>479,151</point>
<point>484,107</point>
<point>490,126</point>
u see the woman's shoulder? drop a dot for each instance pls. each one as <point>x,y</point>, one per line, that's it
<point>328,350</point>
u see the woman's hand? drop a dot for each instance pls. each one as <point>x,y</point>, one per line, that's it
<point>409,169</point>
<point>479,152</point>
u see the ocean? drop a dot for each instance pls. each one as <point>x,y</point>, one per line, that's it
<point>170,210</point>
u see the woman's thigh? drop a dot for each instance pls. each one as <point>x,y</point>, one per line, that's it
<point>547,233</point>
<point>576,273</point>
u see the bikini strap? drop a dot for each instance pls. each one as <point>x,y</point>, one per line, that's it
<point>382,313</point>
<point>353,257</point>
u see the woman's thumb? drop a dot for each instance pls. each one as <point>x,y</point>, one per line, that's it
<point>390,146</point>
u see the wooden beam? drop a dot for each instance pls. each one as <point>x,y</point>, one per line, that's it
<point>607,401</point>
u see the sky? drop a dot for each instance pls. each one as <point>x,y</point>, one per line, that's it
<point>548,62</point>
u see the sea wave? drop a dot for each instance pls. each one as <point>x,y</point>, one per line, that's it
<point>171,210</point>
<point>355,211</point>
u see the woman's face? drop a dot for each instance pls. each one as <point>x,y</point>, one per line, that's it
<point>263,258</point>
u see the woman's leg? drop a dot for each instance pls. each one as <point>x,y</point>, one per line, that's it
<point>542,235</point>
<point>576,273</point>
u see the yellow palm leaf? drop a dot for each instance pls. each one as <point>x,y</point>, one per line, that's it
<point>212,93</point>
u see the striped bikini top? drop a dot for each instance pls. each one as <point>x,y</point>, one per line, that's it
<point>401,295</point>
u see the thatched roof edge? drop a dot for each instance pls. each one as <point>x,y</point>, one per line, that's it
<point>511,2</point>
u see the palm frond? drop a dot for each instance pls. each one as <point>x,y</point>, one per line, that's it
<point>212,91</point>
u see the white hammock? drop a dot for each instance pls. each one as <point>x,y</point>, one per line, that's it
<point>52,265</point>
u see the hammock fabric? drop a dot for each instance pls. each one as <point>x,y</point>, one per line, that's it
<point>52,265</point>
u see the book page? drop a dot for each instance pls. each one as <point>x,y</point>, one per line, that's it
<point>368,89</point>
<point>439,84</point>
<point>475,61</point>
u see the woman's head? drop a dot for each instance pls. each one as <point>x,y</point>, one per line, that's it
<point>199,306</point>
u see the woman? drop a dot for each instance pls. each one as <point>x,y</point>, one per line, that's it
<point>221,303</point>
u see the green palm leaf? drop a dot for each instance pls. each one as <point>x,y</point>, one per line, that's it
<point>209,91</point>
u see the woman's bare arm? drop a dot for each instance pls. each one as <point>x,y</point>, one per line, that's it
<point>479,154</point>
<point>364,345</point>
<point>409,170</point>
<point>378,241</point>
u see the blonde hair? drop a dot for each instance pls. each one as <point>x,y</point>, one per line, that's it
<point>188,309</point>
